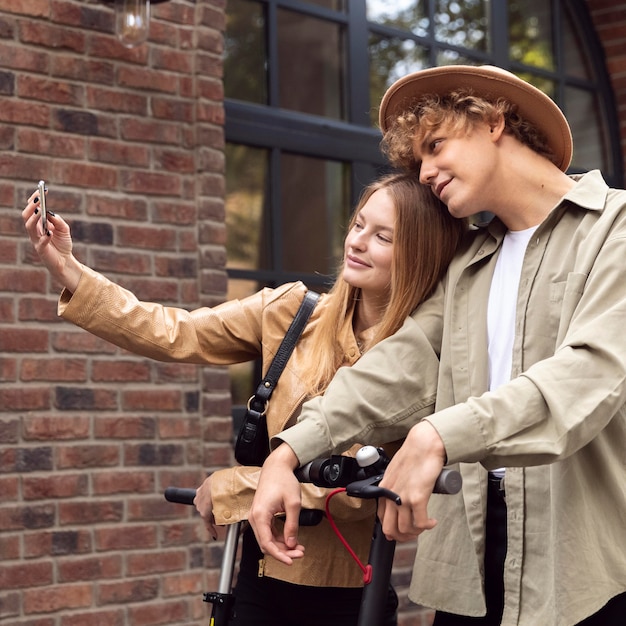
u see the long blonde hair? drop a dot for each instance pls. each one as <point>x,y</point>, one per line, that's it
<point>425,239</point>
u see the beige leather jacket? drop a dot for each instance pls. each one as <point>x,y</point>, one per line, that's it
<point>233,332</point>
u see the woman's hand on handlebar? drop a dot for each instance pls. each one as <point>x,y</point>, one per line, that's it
<point>278,492</point>
<point>204,505</point>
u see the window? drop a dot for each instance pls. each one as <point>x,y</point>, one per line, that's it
<point>302,85</point>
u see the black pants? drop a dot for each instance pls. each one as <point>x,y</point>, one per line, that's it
<point>269,602</point>
<point>610,615</point>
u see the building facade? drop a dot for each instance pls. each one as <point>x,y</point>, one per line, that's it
<point>193,168</point>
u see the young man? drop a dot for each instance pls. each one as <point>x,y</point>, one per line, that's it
<point>531,388</point>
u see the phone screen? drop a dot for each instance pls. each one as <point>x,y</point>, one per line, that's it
<point>42,206</point>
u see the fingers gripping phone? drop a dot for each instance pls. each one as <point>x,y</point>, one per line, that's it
<point>42,205</point>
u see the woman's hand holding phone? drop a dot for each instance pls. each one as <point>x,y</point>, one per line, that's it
<point>52,240</point>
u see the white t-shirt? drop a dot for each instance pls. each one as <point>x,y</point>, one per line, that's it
<point>502,307</point>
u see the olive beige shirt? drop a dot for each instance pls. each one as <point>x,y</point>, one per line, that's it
<point>559,426</point>
<point>238,331</point>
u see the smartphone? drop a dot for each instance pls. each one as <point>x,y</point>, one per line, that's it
<point>42,205</point>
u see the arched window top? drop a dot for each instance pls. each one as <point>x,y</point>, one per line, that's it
<point>550,44</point>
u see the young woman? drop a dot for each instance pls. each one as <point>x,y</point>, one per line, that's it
<point>399,243</point>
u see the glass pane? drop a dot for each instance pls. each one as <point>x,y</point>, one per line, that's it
<point>315,209</point>
<point>246,200</point>
<point>591,144</point>
<point>530,32</point>
<point>311,62</point>
<point>245,52</point>
<point>545,84</point>
<point>451,57</point>
<point>390,59</point>
<point>577,63</point>
<point>407,15</point>
<point>463,24</point>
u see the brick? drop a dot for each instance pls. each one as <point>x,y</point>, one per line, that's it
<point>57,543</point>
<point>125,427</point>
<point>149,131</point>
<point>81,174</point>
<point>55,428</point>
<point>120,371</point>
<point>113,617</point>
<point>14,113</point>
<point>144,78</point>
<point>38,310</point>
<point>176,372</point>
<point>18,57</point>
<point>135,537</point>
<point>179,428</point>
<point>84,70</point>
<point>27,517</point>
<point>89,512</point>
<point>164,613</point>
<point>180,267</point>
<point>90,568</point>
<point>62,370</point>
<point>89,455</point>
<point>55,486</point>
<point>149,454</point>
<point>177,61</point>
<point>136,181</point>
<point>41,142</point>
<point>8,373</point>
<point>147,237</point>
<point>22,399</point>
<point>173,109</point>
<point>79,341</point>
<point>180,161</point>
<point>139,564</point>
<point>130,263</point>
<point>188,583</point>
<point>25,575</point>
<point>9,488</point>
<point>52,36</point>
<point>150,290</point>
<point>23,340</point>
<point>124,207</point>
<point>10,605</point>
<point>141,590</point>
<point>107,47</point>
<point>75,398</point>
<point>59,597</point>
<point>175,213</point>
<point>108,151</point>
<point>35,459</point>
<point>59,92</point>
<point>147,400</point>
<point>9,430</point>
<point>118,482</point>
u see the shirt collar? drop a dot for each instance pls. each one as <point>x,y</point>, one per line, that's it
<point>590,191</point>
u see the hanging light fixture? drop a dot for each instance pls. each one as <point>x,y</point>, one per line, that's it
<point>132,20</point>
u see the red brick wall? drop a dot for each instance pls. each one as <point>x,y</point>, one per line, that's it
<point>130,144</point>
<point>609,20</point>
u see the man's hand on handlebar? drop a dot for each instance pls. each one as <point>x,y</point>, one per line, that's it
<point>278,492</point>
<point>411,474</point>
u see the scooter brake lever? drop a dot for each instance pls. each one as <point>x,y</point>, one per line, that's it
<point>368,489</point>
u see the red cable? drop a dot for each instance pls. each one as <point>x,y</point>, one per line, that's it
<point>366,569</point>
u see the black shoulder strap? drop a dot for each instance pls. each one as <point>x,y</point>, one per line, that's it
<point>266,386</point>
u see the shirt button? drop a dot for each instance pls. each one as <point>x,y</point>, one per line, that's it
<point>227,514</point>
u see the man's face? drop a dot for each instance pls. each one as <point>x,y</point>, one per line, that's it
<point>458,165</point>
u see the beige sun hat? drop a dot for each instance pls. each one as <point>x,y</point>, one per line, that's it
<point>491,83</point>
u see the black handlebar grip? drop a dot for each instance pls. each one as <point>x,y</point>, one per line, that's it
<point>449,481</point>
<point>180,495</point>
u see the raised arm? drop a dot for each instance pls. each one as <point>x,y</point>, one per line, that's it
<point>54,248</point>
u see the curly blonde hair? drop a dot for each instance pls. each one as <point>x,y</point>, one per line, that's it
<point>463,110</point>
